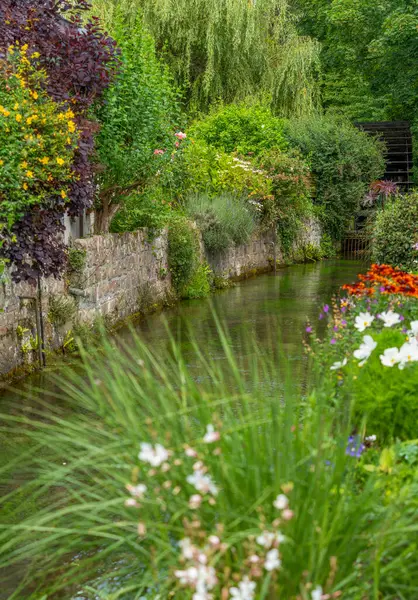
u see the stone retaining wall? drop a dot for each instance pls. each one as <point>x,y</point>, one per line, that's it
<point>120,275</point>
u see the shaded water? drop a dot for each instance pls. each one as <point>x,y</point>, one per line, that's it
<point>272,308</point>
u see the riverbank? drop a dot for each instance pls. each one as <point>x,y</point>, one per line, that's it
<point>119,277</point>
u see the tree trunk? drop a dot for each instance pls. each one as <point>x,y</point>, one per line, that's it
<point>104,215</point>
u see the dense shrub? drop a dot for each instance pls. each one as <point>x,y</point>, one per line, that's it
<point>137,118</point>
<point>242,129</point>
<point>224,220</point>
<point>38,139</point>
<point>78,61</point>
<point>142,209</point>
<point>395,233</point>
<point>183,257</point>
<point>200,284</point>
<point>344,161</point>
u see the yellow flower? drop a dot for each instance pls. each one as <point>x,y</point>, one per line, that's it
<point>50,178</point>
<point>68,140</point>
<point>18,117</point>
<point>71,126</point>
<point>29,174</point>
<point>60,161</point>
<point>29,120</point>
<point>1,163</point>
<point>36,55</point>
<point>10,50</point>
<point>16,106</point>
<point>69,114</point>
<point>24,47</point>
<point>24,164</point>
<point>44,160</point>
<point>25,186</point>
<point>63,194</point>
<point>35,95</point>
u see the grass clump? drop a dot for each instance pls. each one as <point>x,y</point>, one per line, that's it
<point>143,476</point>
<point>225,220</point>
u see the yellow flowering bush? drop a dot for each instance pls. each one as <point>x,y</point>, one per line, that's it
<point>38,138</point>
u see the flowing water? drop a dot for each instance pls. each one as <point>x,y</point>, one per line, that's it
<point>270,308</point>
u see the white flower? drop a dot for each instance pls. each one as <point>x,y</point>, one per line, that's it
<point>408,353</point>
<point>266,539</point>
<point>244,591</point>
<point>188,576</point>
<point>214,541</point>
<point>390,318</point>
<point>390,357</point>
<point>202,482</point>
<point>281,502</point>
<point>363,321</point>
<point>365,350</point>
<point>371,438</point>
<point>195,501</point>
<point>187,548</point>
<point>137,491</point>
<point>155,456</point>
<point>272,560</point>
<point>338,365</point>
<point>317,593</point>
<point>211,435</point>
<point>414,328</point>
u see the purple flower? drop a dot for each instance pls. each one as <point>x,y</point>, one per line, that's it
<point>401,318</point>
<point>382,288</point>
<point>335,328</point>
<point>404,330</point>
<point>343,322</point>
<point>308,329</point>
<point>343,309</point>
<point>333,341</point>
<point>415,246</point>
<point>355,447</point>
<point>326,308</point>
<point>321,316</point>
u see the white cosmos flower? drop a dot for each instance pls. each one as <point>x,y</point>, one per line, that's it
<point>187,548</point>
<point>338,365</point>
<point>365,350</point>
<point>154,455</point>
<point>281,502</point>
<point>211,435</point>
<point>244,591</point>
<point>390,318</point>
<point>137,491</point>
<point>390,357</point>
<point>363,320</point>
<point>317,593</point>
<point>202,482</point>
<point>272,560</point>
<point>408,353</point>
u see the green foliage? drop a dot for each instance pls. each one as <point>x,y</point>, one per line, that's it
<point>344,162</point>
<point>97,418</point>
<point>76,259</point>
<point>395,233</point>
<point>142,209</point>
<point>224,220</point>
<point>387,397</point>
<point>38,138</point>
<point>364,43</point>
<point>61,309</point>
<point>183,257</point>
<point>138,114</point>
<point>328,249</point>
<point>242,129</point>
<point>228,50</point>
<point>199,285</point>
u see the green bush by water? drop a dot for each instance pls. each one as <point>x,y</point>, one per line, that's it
<point>344,162</point>
<point>224,220</point>
<point>395,234</point>
<point>183,252</point>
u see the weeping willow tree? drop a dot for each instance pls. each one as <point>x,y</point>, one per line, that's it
<point>229,50</point>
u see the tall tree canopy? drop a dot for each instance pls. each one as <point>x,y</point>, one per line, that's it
<point>227,50</point>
